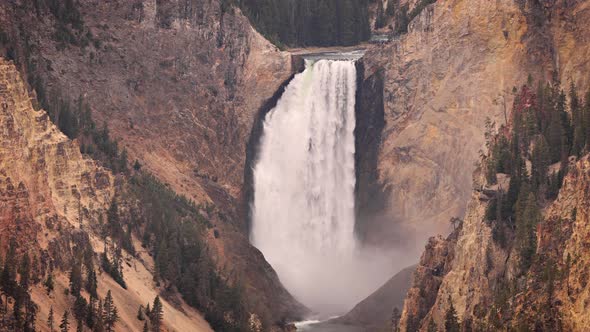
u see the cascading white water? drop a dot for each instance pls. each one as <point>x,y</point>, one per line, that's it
<point>303,211</point>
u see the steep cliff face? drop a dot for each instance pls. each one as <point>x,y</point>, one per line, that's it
<point>180,84</point>
<point>51,198</point>
<point>178,81</point>
<point>442,79</point>
<point>559,279</point>
<point>482,278</point>
<point>454,68</point>
<point>463,268</point>
<point>46,182</point>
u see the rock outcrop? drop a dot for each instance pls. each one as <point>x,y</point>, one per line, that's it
<point>180,84</point>
<point>481,276</point>
<point>454,68</point>
<point>51,199</point>
<point>45,182</point>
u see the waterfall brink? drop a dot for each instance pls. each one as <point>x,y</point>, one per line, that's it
<point>304,179</point>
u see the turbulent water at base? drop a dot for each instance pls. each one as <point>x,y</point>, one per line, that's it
<point>304,179</point>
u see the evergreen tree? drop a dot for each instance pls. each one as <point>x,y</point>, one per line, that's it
<point>80,326</point>
<point>80,307</point>
<point>145,327</point>
<point>75,279</point>
<point>380,20</point>
<point>30,315</point>
<point>35,271</point>
<point>140,315</point>
<point>402,20</point>
<point>391,7</point>
<point>91,312</point>
<point>99,321</point>
<point>157,315</point>
<point>555,136</point>
<point>122,162</point>
<point>8,277</point>
<point>91,282</point>
<point>577,115</point>
<point>110,313</point>
<point>25,271</point>
<point>65,323</point>
<point>527,216</point>
<point>50,319</point>
<point>113,220</point>
<point>540,163</point>
<point>451,319</point>
<point>49,283</point>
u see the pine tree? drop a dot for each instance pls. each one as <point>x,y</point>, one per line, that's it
<point>113,220</point>
<point>75,279</point>
<point>50,319</point>
<point>451,319</point>
<point>80,326</point>
<point>30,315</point>
<point>145,327</point>
<point>110,313</point>
<point>49,283</point>
<point>140,315</point>
<point>65,323</point>
<point>157,314</point>
<point>99,321</point>
<point>526,230</point>
<point>380,20</point>
<point>391,7</point>
<point>35,271</point>
<point>25,271</point>
<point>578,123</point>
<point>91,312</point>
<point>402,20</point>
<point>91,282</point>
<point>80,307</point>
<point>8,277</point>
<point>540,162</point>
<point>122,162</point>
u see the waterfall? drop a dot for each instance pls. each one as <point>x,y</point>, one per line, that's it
<point>304,179</point>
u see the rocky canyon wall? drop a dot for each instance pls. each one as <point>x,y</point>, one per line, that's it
<point>46,182</point>
<point>457,66</point>
<point>471,269</point>
<point>179,83</point>
<point>52,199</point>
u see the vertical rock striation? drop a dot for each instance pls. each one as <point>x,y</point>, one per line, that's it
<point>44,179</point>
<point>454,68</point>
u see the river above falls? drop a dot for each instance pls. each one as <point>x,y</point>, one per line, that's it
<point>325,326</point>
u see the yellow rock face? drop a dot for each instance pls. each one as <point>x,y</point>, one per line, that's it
<point>44,179</point>
<point>456,67</point>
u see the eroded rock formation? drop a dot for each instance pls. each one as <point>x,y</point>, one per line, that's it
<point>456,67</point>
<point>180,84</point>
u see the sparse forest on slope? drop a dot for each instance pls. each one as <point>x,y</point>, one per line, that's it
<point>525,220</point>
<point>177,91</point>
